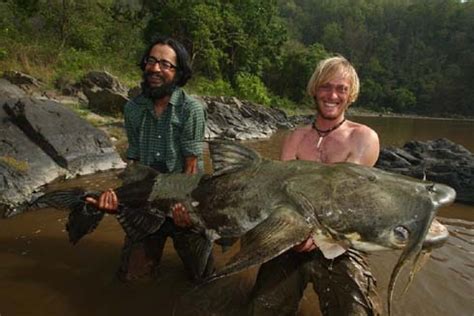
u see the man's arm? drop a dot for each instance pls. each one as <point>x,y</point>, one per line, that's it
<point>192,137</point>
<point>366,147</point>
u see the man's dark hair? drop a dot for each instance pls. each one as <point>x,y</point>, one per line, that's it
<point>183,65</point>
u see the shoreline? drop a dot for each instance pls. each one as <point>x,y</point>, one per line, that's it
<point>369,113</point>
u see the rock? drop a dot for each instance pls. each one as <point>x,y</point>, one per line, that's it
<point>44,140</point>
<point>104,92</point>
<point>9,90</point>
<point>231,118</point>
<point>67,87</point>
<point>21,79</point>
<point>438,160</point>
<point>23,165</point>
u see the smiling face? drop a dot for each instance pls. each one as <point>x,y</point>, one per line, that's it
<point>156,76</point>
<point>332,97</point>
<point>334,85</point>
<point>159,75</point>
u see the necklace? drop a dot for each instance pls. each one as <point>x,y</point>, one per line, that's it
<point>325,132</point>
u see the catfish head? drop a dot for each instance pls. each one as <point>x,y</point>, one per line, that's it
<point>369,209</point>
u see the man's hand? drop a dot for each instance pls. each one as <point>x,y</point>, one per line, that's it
<point>306,246</point>
<point>181,216</point>
<point>190,165</point>
<point>107,202</point>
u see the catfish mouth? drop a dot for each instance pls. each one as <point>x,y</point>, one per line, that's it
<point>437,236</point>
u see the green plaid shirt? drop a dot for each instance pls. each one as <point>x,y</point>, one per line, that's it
<point>177,133</point>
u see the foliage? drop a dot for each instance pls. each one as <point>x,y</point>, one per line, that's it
<point>205,86</point>
<point>251,87</point>
<point>413,56</point>
<point>223,37</point>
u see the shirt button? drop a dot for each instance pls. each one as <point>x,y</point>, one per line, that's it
<point>159,136</point>
<point>158,154</point>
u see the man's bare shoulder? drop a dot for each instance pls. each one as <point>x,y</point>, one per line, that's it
<point>361,131</point>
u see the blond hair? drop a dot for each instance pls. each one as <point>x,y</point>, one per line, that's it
<point>327,69</point>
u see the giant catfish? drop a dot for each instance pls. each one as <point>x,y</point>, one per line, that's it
<point>274,205</point>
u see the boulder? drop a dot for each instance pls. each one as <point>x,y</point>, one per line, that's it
<point>21,79</point>
<point>231,118</point>
<point>438,160</point>
<point>23,165</point>
<point>44,140</point>
<point>105,93</point>
<point>9,90</point>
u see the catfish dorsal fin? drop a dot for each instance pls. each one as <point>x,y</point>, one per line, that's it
<point>228,157</point>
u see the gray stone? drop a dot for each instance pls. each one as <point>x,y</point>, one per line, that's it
<point>41,141</point>
<point>23,165</point>
<point>438,160</point>
<point>9,90</point>
<point>105,93</point>
<point>231,118</point>
<point>21,79</point>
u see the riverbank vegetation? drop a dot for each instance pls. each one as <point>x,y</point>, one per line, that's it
<point>413,57</point>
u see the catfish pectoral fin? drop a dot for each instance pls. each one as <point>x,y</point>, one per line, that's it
<point>82,221</point>
<point>283,229</point>
<point>195,249</point>
<point>139,223</point>
<point>226,243</point>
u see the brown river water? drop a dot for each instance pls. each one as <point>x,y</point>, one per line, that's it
<point>42,274</point>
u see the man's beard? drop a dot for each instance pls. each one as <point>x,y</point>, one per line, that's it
<point>156,93</point>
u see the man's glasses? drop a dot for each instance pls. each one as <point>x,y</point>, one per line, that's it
<point>164,64</point>
<point>340,89</point>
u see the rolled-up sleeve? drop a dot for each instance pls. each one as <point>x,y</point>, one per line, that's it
<point>194,124</point>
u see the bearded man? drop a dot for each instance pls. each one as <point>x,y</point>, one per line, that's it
<point>165,130</point>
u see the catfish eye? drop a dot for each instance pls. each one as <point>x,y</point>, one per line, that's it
<point>401,234</point>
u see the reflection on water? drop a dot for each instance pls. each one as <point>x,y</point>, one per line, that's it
<point>42,274</point>
<point>397,131</point>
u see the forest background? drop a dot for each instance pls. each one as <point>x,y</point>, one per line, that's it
<point>413,56</point>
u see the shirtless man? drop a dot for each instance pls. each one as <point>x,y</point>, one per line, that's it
<point>344,285</point>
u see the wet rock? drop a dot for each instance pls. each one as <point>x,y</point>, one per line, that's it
<point>23,165</point>
<point>42,140</point>
<point>105,92</point>
<point>438,160</point>
<point>231,118</point>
